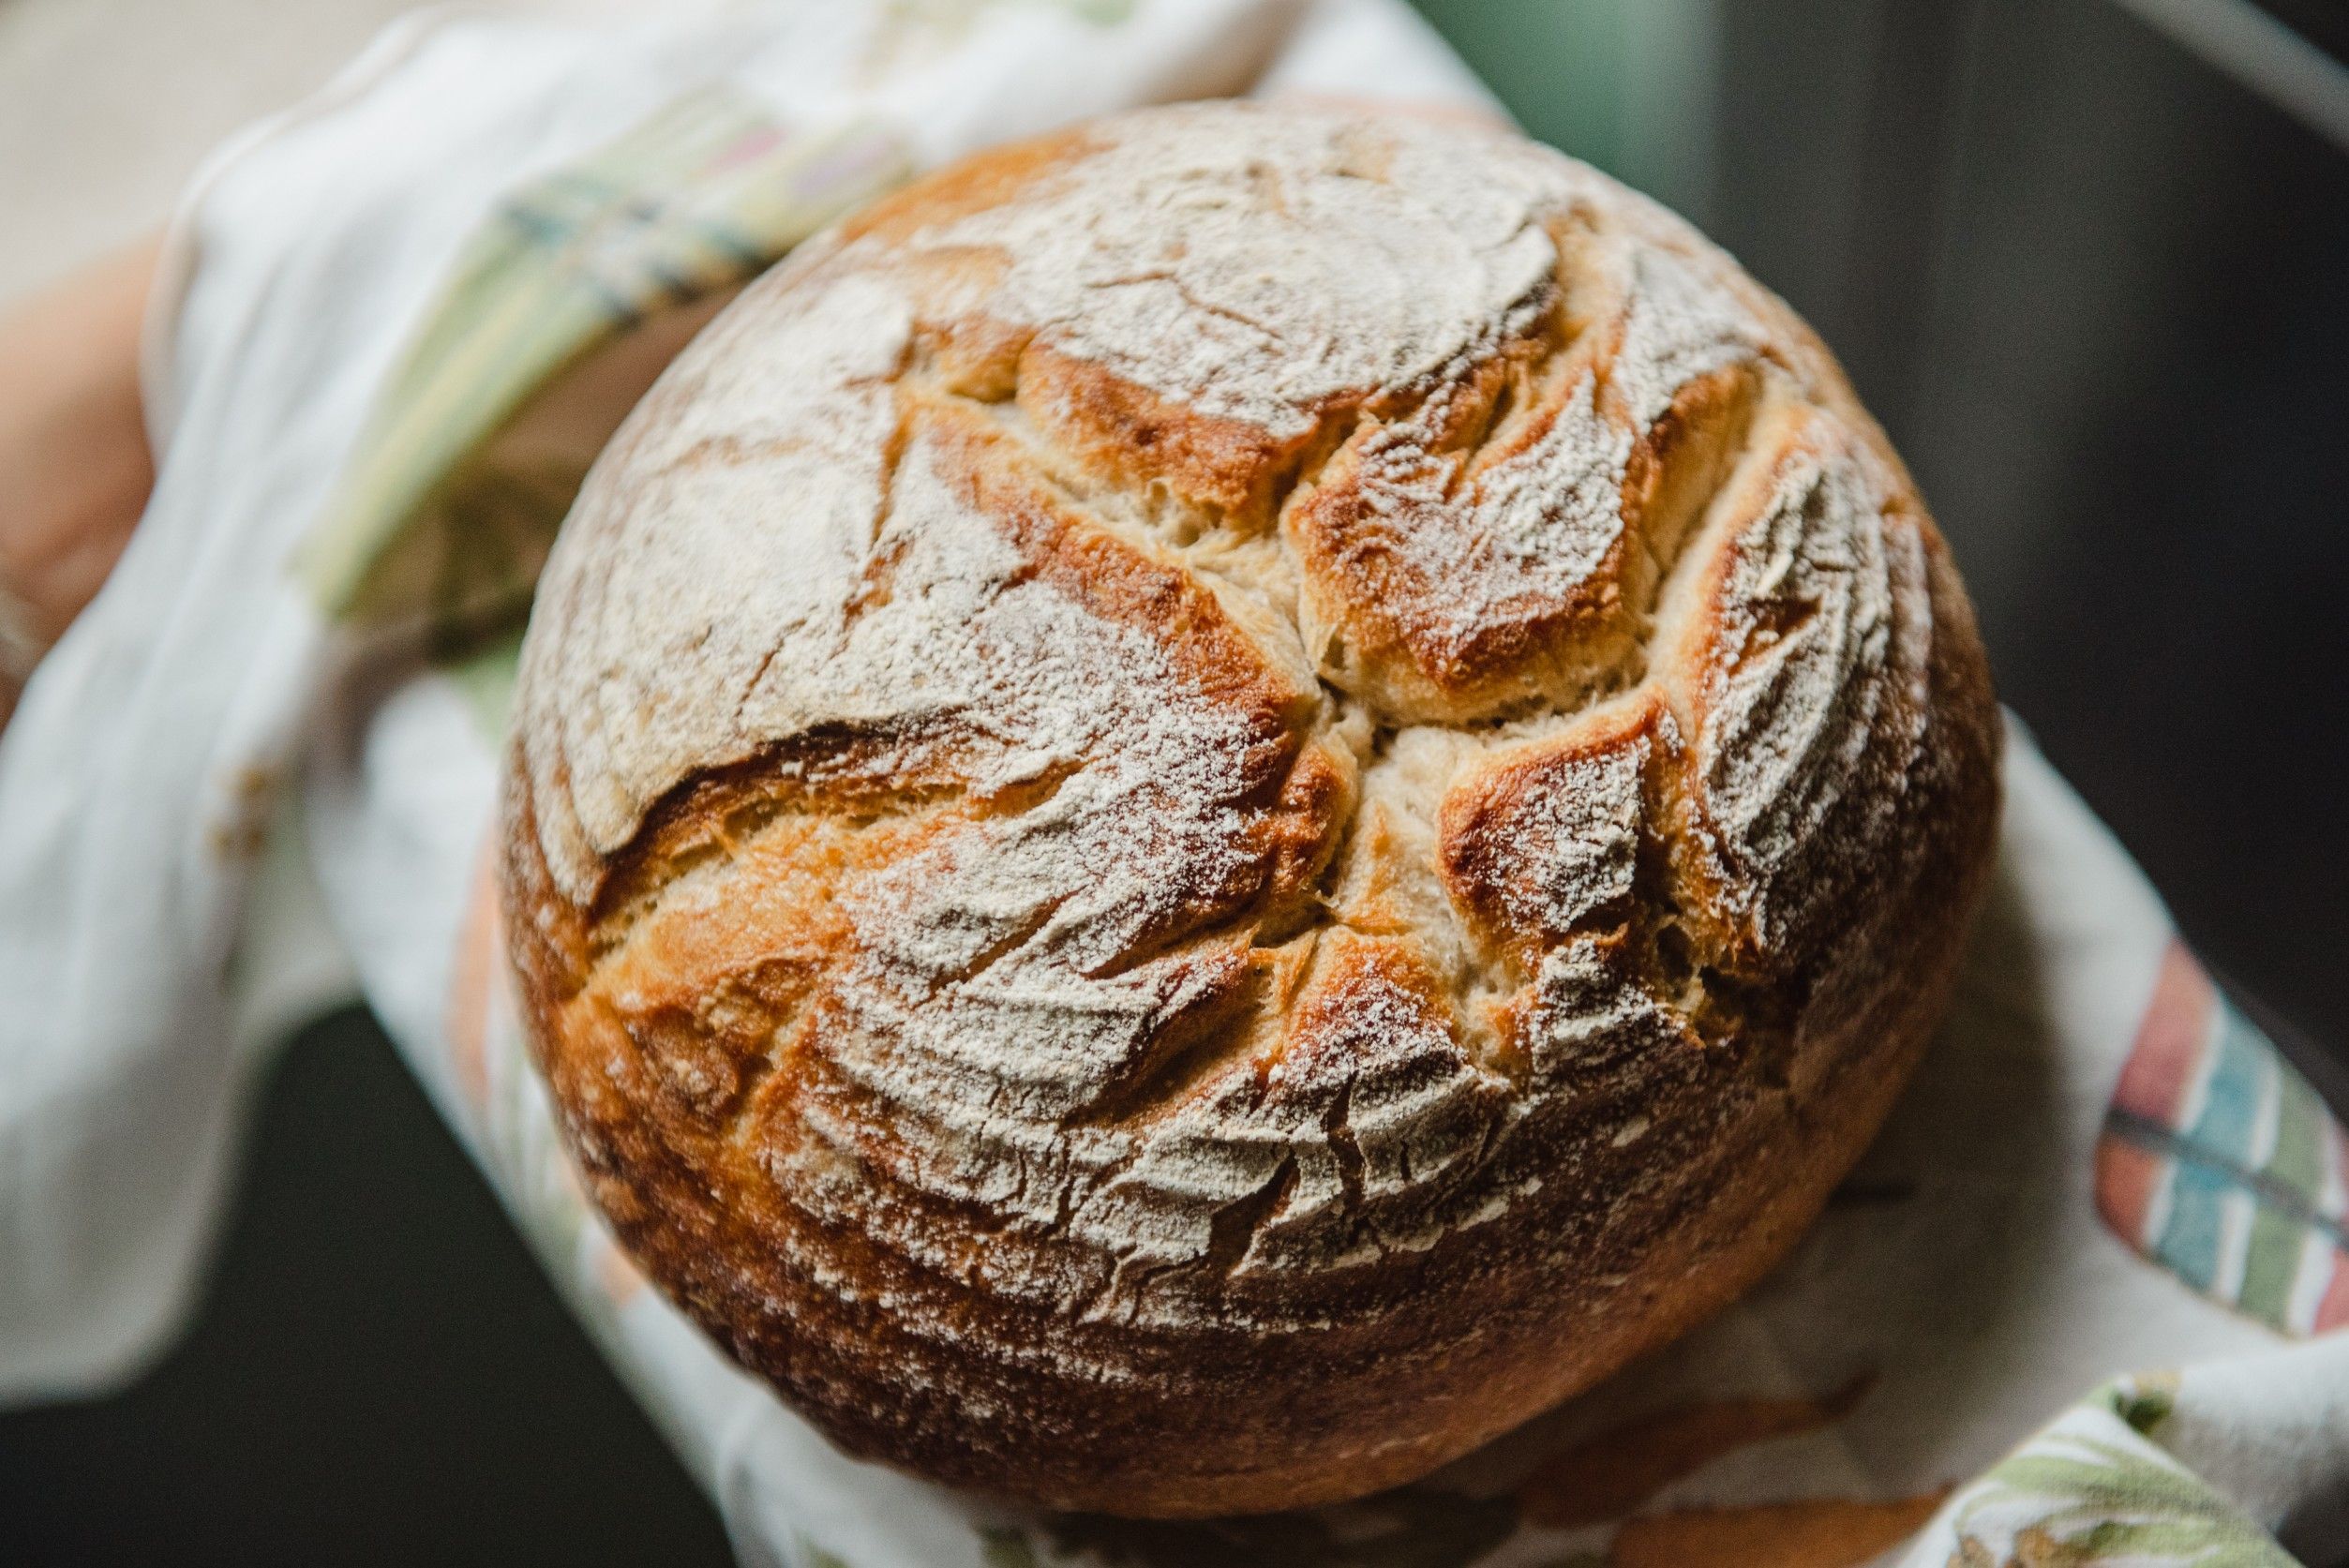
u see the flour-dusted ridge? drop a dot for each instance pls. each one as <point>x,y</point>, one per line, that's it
<point>1258,268</point>
<point>1184,721</point>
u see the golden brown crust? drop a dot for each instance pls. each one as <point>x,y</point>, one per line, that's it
<point>1243,906</point>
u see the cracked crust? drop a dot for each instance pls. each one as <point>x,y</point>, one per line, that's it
<point>1212,806</point>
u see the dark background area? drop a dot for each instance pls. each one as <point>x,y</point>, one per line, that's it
<point>2100,296</point>
<point>2098,292</point>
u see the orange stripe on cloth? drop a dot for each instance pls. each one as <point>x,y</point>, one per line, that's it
<point>2170,1041</point>
<point>2126,1176</point>
<point>1606,1476</point>
<point>2332,1308</point>
<point>1827,1533</point>
<point>473,972</point>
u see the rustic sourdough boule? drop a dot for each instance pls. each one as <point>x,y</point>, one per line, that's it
<point>1214,805</point>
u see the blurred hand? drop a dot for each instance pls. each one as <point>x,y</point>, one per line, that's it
<point>74,465</point>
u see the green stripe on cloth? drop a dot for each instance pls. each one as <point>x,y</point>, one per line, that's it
<point>2271,1264</point>
<point>2298,1161</point>
<point>2278,1239</point>
<point>698,198</point>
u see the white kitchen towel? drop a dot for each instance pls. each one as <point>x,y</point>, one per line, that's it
<point>394,327</point>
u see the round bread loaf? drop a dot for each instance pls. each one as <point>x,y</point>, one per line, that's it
<point>1213,805</point>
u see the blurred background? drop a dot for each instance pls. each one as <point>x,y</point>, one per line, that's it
<point>2087,259</point>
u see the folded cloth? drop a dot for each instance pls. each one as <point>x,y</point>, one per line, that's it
<point>394,325</point>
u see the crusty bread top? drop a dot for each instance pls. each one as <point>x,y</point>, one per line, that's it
<point>1214,653</point>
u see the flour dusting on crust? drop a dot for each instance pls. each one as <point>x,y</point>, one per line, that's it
<point>1259,267</point>
<point>1147,933</point>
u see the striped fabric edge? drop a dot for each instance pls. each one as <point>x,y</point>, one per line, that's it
<point>699,196</point>
<point>2217,1161</point>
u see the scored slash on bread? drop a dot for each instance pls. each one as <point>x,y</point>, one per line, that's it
<point>1211,806</point>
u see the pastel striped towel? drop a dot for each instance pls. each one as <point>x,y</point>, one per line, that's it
<point>2217,1161</point>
